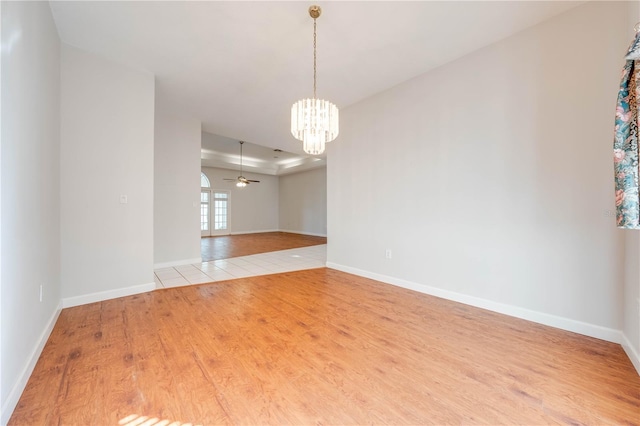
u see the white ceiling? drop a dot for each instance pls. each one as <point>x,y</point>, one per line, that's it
<point>239,66</point>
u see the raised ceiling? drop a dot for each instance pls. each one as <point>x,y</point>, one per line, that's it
<point>222,152</point>
<point>239,66</point>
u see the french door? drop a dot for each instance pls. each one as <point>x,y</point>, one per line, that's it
<point>205,212</point>
<point>214,212</point>
<point>220,213</point>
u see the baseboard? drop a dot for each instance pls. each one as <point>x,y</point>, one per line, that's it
<point>631,352</point>
<point>18,388</point>
<point>177,263</point>
<point>313,234</point>
<point>575,326</point>
<point>69,302</point>
<point>254,232</point>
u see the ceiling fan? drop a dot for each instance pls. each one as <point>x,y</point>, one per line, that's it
<point>241,181</point>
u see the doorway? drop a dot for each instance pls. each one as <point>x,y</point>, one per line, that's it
<point>220,213</point>
<point>214,212</point>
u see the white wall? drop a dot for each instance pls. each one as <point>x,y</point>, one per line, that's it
<point>490,178</point>
<point>106,151</point>
<point>176,203</point>
<point>30,191</point>
<point>253,208</point>
<point>303,202</point>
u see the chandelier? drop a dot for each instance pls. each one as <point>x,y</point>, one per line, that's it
<point>314,121</point>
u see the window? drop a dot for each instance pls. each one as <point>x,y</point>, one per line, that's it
<point>204,212</point>
<point>204,181</point>
<point>220,210</point>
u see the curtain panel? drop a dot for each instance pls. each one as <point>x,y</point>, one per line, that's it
<point>625,144</point>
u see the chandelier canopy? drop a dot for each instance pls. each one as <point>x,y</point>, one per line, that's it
<point>314,121</point>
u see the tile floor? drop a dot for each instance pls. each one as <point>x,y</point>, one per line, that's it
<point>241,267</point>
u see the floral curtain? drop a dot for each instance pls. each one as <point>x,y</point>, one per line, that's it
<point>625,144</point>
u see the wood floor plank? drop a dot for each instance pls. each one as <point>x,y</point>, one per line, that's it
<point>228,246</point>
<point>324,347</point>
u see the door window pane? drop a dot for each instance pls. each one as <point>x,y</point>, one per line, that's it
<point>204,216</point>
<point>220,200</point>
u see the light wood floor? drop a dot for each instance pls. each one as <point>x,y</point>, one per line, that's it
<point>228,246</point>
<point>319,347</point>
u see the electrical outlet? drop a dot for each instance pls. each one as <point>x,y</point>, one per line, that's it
<point>41,292</point>
<point>388,254</point>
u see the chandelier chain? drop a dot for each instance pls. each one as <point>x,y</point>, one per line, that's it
<point>314,58</point>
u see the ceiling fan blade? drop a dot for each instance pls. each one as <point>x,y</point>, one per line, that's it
<point>249,180</point>
<point>232,180</point>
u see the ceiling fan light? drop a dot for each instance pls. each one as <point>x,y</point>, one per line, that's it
<point>241,184</point>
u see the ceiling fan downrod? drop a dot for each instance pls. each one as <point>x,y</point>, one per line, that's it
<point>241,181</point>
<point>241,143</point>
